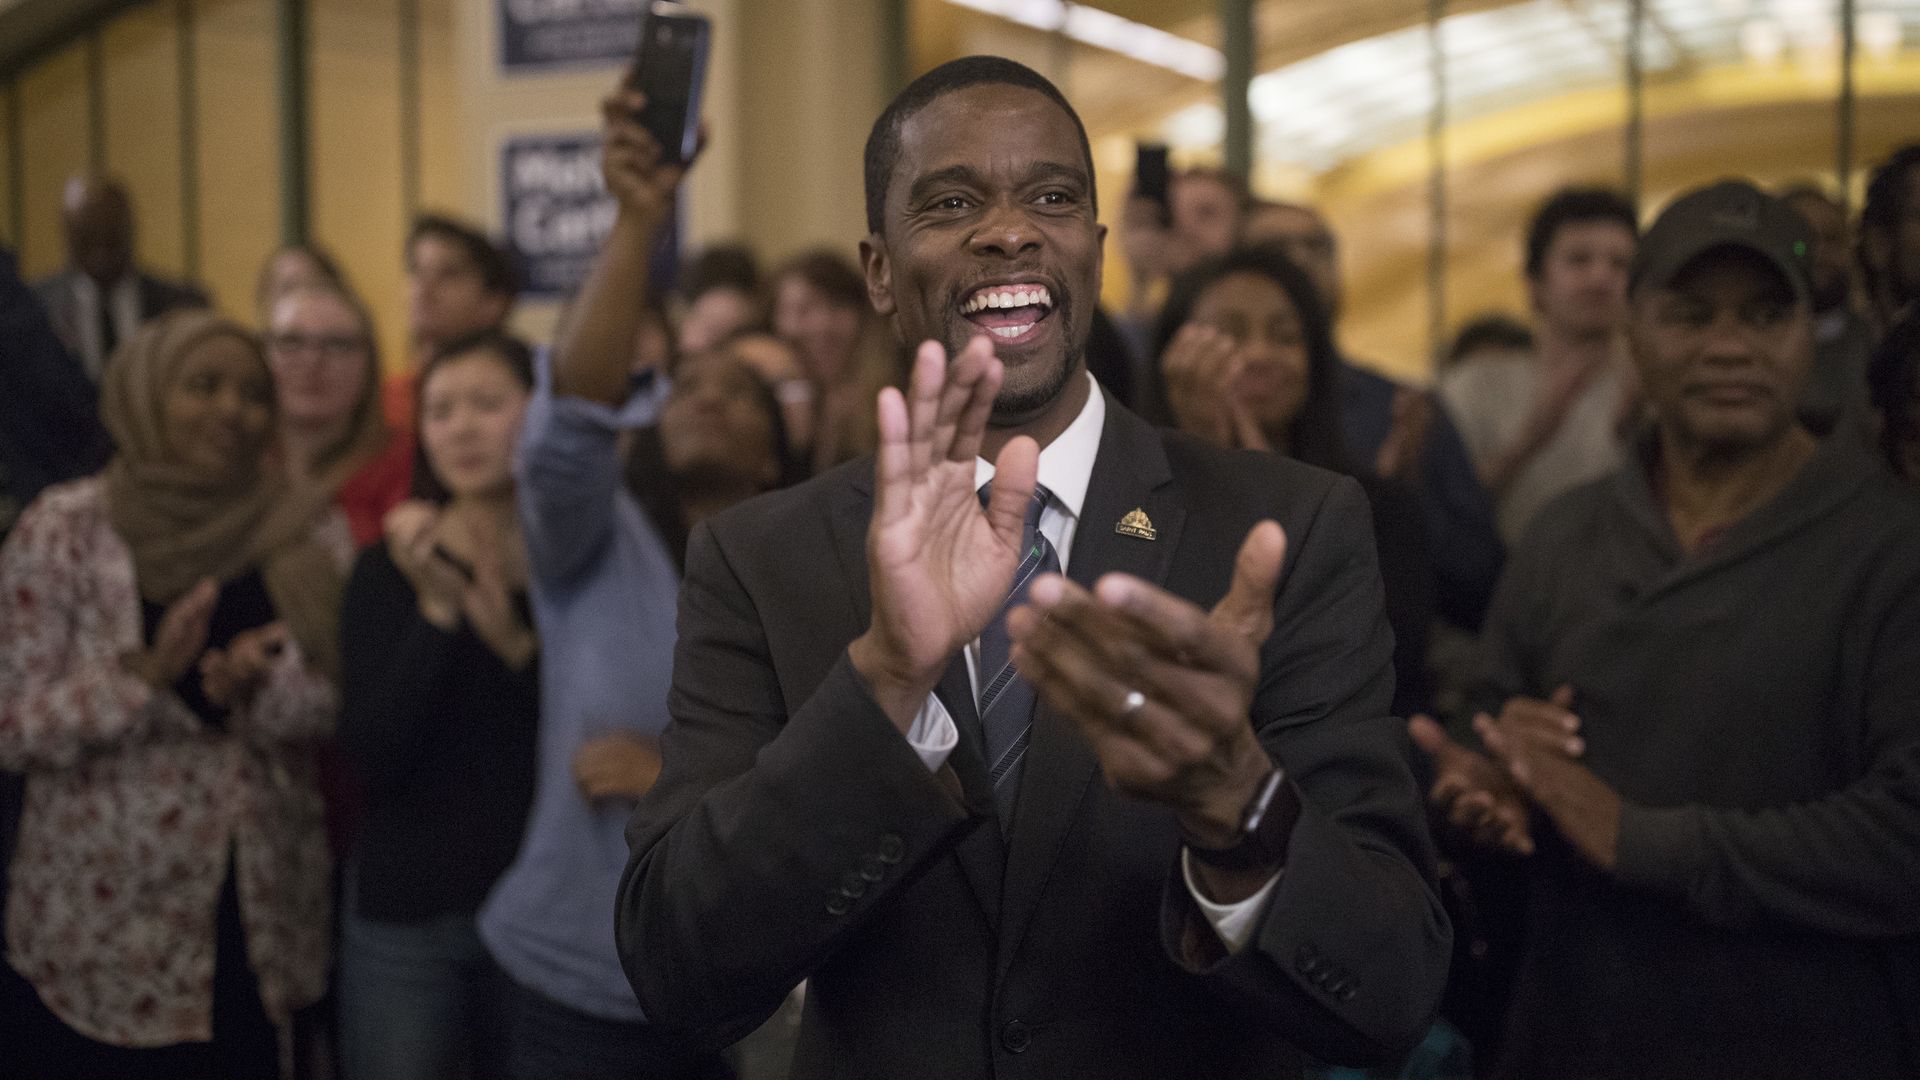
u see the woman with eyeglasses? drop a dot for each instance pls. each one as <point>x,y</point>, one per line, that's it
<point>326,376</point>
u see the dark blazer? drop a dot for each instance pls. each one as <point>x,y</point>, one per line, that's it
<point>157,297</point>
<point>795,834</point>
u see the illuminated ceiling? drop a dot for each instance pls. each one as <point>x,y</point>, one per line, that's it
<point>1341,78</point>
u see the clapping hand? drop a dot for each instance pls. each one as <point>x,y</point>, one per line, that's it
<point>939,563</point>
<point>179,639</point>
<point>230,677</point>
<point>1161,688</point>
<point>1202,367</point>
<point>1539,745</point>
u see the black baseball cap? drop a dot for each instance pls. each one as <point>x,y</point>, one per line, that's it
<point>1731,213</point>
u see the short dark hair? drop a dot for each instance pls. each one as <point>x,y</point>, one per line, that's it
<point>510,351</point>
<point>830,274</point>
<point>1492,332</point>
<point>495,265</point>
<point>883,142</point>
<point>1574,206</point>
<point>1886,204</point>
<point>1314,436</point>
<point>722,266</point>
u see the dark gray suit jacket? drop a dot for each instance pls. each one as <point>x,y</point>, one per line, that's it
<point>794,834</point>
<point>157,297</point>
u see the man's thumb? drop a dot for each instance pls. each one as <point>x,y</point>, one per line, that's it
<point>1248,606</point>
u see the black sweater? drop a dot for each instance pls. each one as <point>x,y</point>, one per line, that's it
<point>1757,706</point>
<point>442,734</point>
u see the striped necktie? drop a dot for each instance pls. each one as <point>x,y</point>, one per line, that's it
<point>1006,699</point>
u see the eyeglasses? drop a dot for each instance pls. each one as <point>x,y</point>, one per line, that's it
<point>328,346</point>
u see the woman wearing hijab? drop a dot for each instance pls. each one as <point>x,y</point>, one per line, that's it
<point>166,630</point>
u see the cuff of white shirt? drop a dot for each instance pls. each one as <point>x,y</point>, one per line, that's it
<point>1233,922</point>
<point>933,734</point>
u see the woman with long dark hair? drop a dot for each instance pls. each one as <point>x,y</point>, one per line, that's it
<point>440,701</point>
<point>1246,359</point>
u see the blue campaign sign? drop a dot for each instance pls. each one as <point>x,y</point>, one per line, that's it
<point>556,213</point>
<point>538,34</point>
<point>556,210</point>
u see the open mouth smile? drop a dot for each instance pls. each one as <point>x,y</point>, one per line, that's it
<point>1013,313</point>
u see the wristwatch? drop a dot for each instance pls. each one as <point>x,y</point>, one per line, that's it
<point>1265,827</point>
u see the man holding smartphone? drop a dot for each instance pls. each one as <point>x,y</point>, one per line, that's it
<point>890,704</point>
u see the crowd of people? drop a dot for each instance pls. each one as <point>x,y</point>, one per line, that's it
<point>346,700</point>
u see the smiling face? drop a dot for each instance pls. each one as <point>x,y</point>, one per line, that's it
<point>1256,313</point>
<point>1723,352</point>
<point>989,229</point>
<point>218,407</point>
<point>470,412</point>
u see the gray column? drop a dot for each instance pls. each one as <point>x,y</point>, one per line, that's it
<point>1237,41</point>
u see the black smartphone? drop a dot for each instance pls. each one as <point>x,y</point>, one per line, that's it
<point>1151,174</point>
<point>460,566</point>
<point>670,67</point>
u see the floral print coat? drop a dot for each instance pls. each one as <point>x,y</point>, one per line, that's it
<point>135,809</point>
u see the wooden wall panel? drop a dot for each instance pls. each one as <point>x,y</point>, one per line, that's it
<point>53,120</point>
<point>358,206</point>
<point>140,86</point>
<point>238,166</point>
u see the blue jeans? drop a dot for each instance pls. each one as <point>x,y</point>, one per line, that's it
<point>418,1001</point>
<point>549,1041</point>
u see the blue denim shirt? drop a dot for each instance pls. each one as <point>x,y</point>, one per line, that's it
<point>604,590</point>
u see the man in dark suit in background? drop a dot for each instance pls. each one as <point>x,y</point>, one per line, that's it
<point>888,712</point>
<point>102,296</point>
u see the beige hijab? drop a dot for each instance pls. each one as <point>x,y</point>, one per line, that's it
<point>182,525</point>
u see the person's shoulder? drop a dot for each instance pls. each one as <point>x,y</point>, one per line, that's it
<point>783,517</point>
<point>1361,382</point>
<point>1215,477</point>
<point>1570,518</point>
<point>68,517</point>
<point>77,501</point>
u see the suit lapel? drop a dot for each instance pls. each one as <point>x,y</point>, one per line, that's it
<point>1130,473</point>
<point>981,853</point>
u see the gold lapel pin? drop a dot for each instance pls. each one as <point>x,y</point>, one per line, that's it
<point>1137,524</point>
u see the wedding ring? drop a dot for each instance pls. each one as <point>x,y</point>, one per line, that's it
<point>1134,703</point>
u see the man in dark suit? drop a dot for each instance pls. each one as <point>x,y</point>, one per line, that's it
<point>888,714</point>
<point>102,297</point>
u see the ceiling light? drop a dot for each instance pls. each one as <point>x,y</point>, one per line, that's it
<point>1102,29</point>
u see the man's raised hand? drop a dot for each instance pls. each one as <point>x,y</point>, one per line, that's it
<point>939,565</point>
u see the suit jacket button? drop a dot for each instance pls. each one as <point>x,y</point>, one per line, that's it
<point>873,869</point>
<point>1346,993</point>
<point>839,905</point>
<point>1016,1037</point>
<point>891,849</point>
<point>853,885</point>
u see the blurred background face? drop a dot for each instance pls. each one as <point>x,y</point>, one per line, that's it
<point>99,221</point>
<point>825,333</point>
<point>319,352</point>
<point>715,423</point>
<point>1582,287</point>
<point>447,293</point>
<point>218,409</point>
<point>716,315</point>
<point>1206,218</point>
<point>1723,351</point>
<point>1263,322</point>
<point>471,407</point>
<point>1308,243</point>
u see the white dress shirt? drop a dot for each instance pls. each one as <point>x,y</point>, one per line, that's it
<point>123,301</point>
<point>1066,467</point>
